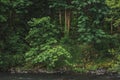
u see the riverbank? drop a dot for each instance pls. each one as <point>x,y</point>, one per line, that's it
<point>97,72</point>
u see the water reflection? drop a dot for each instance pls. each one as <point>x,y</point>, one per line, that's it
<point>8,76</point>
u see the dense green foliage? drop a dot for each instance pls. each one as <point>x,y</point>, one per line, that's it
<point>45,48</point>
<point>78,35</point>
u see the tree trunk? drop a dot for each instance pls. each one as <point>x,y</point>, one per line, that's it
<point>67,21</point>
<point>60,17</point>
<point>111,28</point>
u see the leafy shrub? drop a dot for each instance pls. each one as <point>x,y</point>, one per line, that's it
<point>50,56</point>
<point>45,49</point>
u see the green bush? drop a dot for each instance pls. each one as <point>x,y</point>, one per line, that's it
<point>45,49</point>
<point>49,57</point>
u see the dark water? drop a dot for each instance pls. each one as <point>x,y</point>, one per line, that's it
<point>8,76</point>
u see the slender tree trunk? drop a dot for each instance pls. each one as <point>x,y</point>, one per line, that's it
<point>11,17</point>
<point>111,28</point>
<point>65,21</point>
<point>60,17</point>
<point>68,20</point>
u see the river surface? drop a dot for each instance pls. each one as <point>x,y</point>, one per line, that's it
<point>9,76</point>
